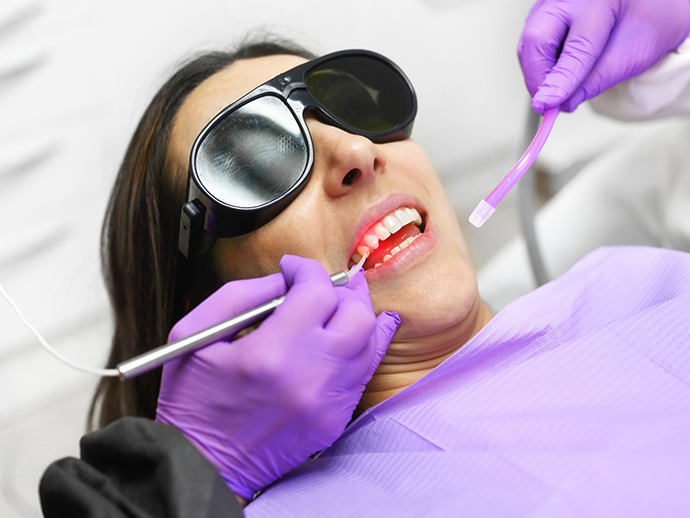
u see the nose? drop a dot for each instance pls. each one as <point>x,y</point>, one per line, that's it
<point>343,161</point>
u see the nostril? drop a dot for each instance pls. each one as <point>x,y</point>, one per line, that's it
<point>350,176</point>
<point>377,165</point>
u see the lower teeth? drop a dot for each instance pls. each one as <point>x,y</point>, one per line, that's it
<point>395,250</point>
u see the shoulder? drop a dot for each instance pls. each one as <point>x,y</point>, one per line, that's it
<point>136,467</point>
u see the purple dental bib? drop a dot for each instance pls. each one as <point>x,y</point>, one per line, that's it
<point>573,401</point>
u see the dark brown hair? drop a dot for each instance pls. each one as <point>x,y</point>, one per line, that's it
<point>150,284</point>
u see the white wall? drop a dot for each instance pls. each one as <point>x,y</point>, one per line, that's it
<point>76,74</point>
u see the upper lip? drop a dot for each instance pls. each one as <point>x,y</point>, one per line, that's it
<point>378,212</point>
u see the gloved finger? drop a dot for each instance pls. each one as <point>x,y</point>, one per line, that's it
<point>311,299</point>
<point>387,324</point>
<point>355,309</point>
<point>298,269</point>
<point>229,300</point>
<point>354,301</point>
<point>586,40</point>
<point>619,61</point>
<point>538,47</point>
<point>359,286</point>
<point>352,325</point>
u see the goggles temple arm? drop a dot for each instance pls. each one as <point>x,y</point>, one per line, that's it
<point>194,240</point>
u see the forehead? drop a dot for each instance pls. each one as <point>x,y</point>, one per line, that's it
<point>218,91</point>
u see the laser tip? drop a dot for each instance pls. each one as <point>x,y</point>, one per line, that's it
<point>358,266</point>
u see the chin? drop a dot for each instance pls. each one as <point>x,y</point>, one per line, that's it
<point>430,300</point>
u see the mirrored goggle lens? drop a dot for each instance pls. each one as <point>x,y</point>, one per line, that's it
<point>254,155</point>
<point>364,92</point>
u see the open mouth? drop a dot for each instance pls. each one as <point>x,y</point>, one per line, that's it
<point>386,238</point>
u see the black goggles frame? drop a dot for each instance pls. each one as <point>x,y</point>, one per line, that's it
<point>205,217</point>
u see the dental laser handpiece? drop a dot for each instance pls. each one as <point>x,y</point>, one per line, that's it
<point>157,357</point>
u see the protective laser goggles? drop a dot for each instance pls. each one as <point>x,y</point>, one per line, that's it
<point>256,155</point>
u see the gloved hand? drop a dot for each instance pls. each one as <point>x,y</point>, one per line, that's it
<point>603,43</point>
<point>261,405</point>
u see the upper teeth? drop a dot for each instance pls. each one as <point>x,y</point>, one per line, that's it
<point>389,225</point>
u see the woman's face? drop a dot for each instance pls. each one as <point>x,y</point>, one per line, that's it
<point>355,185</point>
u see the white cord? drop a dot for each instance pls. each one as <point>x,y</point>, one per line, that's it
<point>50,349</point>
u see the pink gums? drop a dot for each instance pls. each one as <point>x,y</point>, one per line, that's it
<point>385,247</point>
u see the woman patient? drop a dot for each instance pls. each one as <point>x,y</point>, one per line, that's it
<point>572,398</point>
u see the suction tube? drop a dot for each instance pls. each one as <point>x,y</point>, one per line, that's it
<point>488,206</point>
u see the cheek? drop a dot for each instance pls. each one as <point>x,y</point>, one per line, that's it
<point>412,169</point>
<point>241,258</point>
<point>310,227</point>
<point>295,231</point>
<point>444,217</point>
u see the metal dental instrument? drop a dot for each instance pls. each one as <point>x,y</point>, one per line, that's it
<point>487,207</point>
<point>157,357</point>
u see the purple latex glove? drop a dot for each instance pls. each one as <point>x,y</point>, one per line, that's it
<point>261,405</point>
<point>603,43</point>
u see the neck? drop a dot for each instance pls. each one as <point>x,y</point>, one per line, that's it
<point>408,360</point>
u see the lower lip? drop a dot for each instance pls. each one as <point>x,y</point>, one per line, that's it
<point>420,246</point>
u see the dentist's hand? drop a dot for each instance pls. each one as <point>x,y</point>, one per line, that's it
<point>261,405</point>
<point>601,43</point>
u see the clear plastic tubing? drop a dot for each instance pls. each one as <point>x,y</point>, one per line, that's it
<point>487,206</point>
